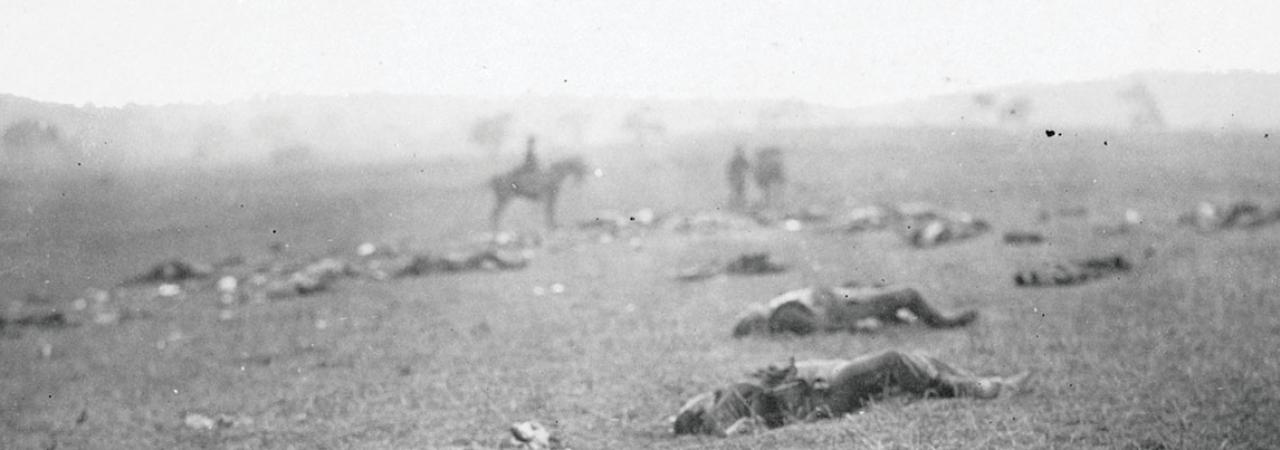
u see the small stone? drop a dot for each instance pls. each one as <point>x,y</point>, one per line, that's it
<point>645,216</point>
<point>198,422</point>
<point>227,284</point>
<point>106,317</point>
<point>169,290</point>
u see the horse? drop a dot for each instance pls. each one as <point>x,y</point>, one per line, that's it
<point>536,185</point>
<point>769,174</point>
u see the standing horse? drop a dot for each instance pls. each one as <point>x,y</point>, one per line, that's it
<point>534,185</point>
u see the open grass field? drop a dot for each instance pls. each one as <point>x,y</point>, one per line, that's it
<point>1180,353</point>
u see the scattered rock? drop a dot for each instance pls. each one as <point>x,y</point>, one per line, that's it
<point>168,290</point>
<point>228,284</point>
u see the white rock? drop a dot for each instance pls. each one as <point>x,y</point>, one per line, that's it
<point>645,216</point>
<point>227,284</point>
<point>1132,217</point>
<point>199,421</point>
<point>98,295</point>
<point>169,290</point>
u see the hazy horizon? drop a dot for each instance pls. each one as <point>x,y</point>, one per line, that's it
<point>151,53</point>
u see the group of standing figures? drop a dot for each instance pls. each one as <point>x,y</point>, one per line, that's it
<point>767,172</point>
<point>533,181</point>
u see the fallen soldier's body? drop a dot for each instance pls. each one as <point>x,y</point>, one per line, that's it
<point>485,259</point>
<point>816,389</point>
<point>759,263</point>
<point>1241,214</point>
<point>1073,272</point>
<point>937,230</point>
<point>843,308</point>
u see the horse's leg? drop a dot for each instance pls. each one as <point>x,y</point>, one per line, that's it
<point>551,208</point>
<point>498,207</point>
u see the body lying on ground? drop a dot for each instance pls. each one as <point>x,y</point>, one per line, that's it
<point>1067,273</point>
<point>1023,238</point>
<point>932,231</point>
<point>1241,214</point>
<point>843,308</point>
<point>815,389</point>
<point>757,263</point>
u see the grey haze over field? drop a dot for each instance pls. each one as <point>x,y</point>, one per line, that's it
<point>845,54</point>
<point>116,84</point>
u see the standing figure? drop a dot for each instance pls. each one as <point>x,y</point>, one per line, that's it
<point>769,174</point>
<point>737,173</point>
<point>530,157</point>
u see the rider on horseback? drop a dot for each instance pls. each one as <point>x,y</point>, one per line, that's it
<point>530,158</point>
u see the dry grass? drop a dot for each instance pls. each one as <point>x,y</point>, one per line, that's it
<point>1179,354</point>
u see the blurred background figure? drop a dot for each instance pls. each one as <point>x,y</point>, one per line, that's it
<point>770,176</point>
<point>737,174</point>
<point>530,157</point>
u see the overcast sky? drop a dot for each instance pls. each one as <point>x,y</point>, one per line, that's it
<point>112,52</point>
